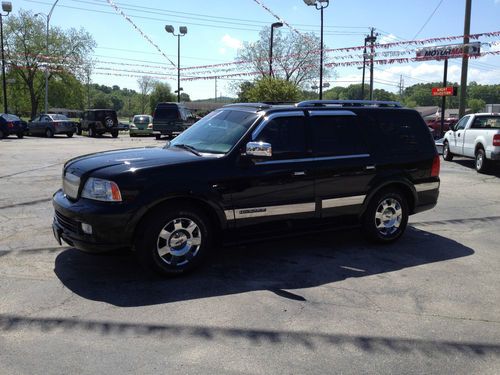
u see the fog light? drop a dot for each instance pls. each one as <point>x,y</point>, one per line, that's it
<point>87,228</point>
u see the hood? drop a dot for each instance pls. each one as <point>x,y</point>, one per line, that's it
<point>130,158</point>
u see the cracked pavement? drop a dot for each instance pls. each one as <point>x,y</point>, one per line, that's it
<point>328,303</point>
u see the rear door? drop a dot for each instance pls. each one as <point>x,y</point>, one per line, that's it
<point>343,166</point>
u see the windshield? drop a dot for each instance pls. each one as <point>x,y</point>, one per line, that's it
<point>142,120</point>
<point>217,132</point>
<point>59,117</point>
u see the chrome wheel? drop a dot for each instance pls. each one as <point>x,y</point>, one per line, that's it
<point>179,241</point>
<point>388,216</point>
<point>479,161</point>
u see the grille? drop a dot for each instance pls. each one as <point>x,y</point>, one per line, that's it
<point>67,223</point>
<point>71,184</point>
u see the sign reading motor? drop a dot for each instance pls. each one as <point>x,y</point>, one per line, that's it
<point>449,51</point>
<point>444,91</point>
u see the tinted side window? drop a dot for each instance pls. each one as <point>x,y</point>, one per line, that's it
<point>397,132</point>
<point>287,136</point>
<point>337,135</point>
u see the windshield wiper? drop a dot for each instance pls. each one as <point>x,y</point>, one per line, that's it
<point>189,148</point>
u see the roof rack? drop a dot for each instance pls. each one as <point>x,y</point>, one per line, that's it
<point>348,103</point>
<point>249,105</point>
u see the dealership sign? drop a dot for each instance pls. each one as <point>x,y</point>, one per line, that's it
<point>444,91</point>
<point>449,51</point>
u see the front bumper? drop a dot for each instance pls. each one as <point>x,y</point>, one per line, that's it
<point>112,227</point>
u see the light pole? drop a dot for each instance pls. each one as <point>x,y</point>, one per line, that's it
<point>320,5</point>
<point>274,25</point>
<point>182,31</point>
<point>47,16</point>
<point>7,8</point>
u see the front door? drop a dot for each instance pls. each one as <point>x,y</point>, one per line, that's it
<point>457,136</point>
<point>280,187</point>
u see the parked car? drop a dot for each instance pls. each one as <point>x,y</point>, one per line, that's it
<point>99,121</point>
<point>141,125</point>
<point>51,124</point>
<point>10,124</point>
<point>171,119</point>
<point>247,170</point>
<point>435,125</point>
<point>475,136</point>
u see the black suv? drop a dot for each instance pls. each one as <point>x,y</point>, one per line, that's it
<point>171,119</point>
<point>99,121</point>
<point>251,169</point>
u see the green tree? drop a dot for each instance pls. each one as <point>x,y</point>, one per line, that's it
<point>244,89</point>
<point>185,97</point>
<point>476,105</point>
<point>26,49</point>
<point>267,89</point>
<point>161,93</point>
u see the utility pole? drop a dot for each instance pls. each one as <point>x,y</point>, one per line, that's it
<point>401,87</point>
<point>372,38</point>
<point>215,88</point>
<point>364,69</point>
<point>465,60</point>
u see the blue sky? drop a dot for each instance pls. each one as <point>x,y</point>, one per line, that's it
<point>217,28</point>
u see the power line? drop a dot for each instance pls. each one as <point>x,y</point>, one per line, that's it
<point>256,28</point>
<point>428,19</point>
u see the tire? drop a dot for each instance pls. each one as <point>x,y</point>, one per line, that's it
<point>165,243</point>
<point>481,161</point>
<point>114,133</point>
<point>49,133</point>
<point>78,130</point>
<point>2,134</point>
<point>91,132</point>
<point>20,135</point>
<point>108,122</point>
<point>69,134</point>
<point>158,137</point>
<point>386,216</point>
<point>447,155</point>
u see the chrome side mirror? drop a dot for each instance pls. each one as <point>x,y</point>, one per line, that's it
<point>259,149</point>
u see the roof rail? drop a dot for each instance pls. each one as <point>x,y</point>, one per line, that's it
<point>348,103</point>
<point>249,105</point>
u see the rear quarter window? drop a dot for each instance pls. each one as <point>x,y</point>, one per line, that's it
<point>397,132</point>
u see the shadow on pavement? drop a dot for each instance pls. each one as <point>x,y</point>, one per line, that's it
<point>274,265</point>
<point>493,170</point>
<point>308,340</point>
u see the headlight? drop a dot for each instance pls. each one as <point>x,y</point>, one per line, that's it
<point>132,126</point>
<point>101,190</point>
<point>150,126</point>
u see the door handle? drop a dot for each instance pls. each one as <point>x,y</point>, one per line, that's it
<point>301,173</point>
<point>369,167</point>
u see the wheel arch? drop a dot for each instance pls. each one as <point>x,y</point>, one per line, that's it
<point>405,187</point>
<point>214,213</point>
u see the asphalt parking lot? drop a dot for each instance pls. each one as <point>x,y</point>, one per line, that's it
<point>329,303</point>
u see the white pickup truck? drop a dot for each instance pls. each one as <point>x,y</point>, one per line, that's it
<point>475,136</point>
